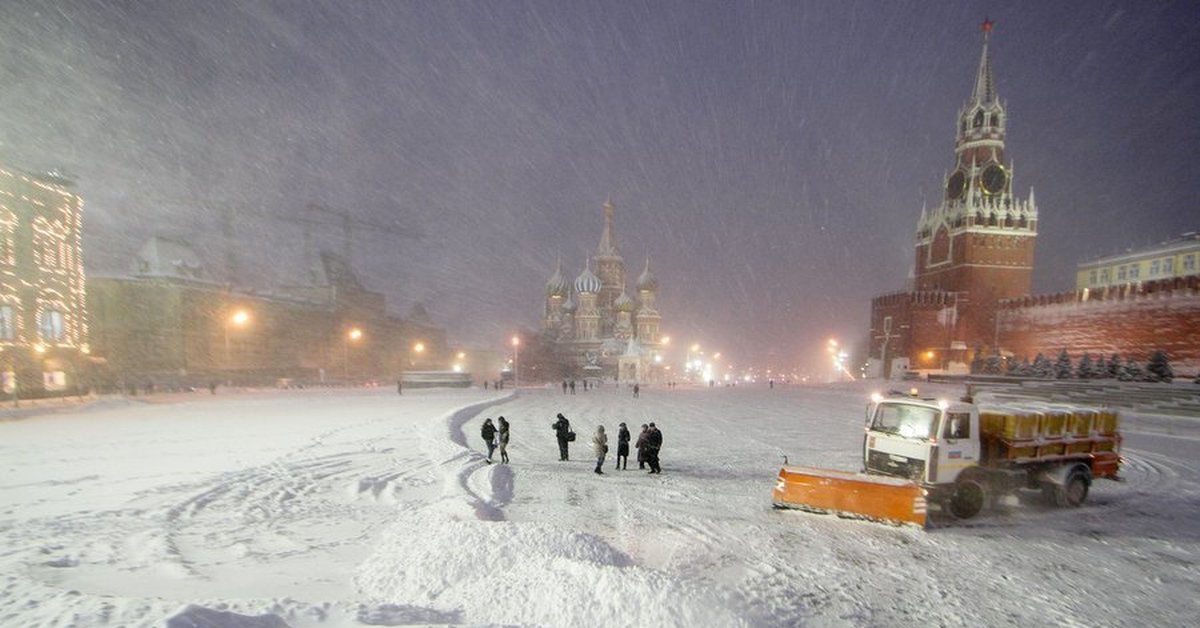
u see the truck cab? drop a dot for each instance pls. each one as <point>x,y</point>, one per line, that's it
<point>925,440</point>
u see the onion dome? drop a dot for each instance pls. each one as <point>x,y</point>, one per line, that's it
<point>647,280</point>
<point>557,286</point>
<point>624,303</point>
<point>587,282</point>
<point>568,306</point>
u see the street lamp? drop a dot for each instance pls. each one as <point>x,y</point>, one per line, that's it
<point>240,318</point>
<point>418,349</point>
<point>458,361</point>
<point>354,335</point>
<point>516,342</point>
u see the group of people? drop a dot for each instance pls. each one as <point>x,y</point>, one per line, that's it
<point>648,443</point>
<point>495,437</point>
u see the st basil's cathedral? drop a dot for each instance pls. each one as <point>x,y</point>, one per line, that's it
<point>594,327</point>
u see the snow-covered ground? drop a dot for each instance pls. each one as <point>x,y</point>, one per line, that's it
<point>347,508</point>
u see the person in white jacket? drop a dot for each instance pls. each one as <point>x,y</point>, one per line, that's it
<point>600,447</point>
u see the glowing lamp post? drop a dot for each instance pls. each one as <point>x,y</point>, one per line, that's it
<point>238,319</point>
<point>516,343</point>
<point>354,335</point>
<point>459,359</point>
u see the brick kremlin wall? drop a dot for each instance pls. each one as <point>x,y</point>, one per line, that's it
<point>1132,320</point>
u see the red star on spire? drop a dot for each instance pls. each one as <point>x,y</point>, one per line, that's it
<point>986,26</point>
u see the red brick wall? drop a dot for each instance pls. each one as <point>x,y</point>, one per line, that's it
<point>1132,321</point>
<point>915,325</point>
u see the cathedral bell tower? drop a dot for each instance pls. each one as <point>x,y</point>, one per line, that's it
<point>610,268</point>
<point>978,242</point>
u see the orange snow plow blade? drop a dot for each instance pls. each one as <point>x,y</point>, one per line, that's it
<point>856,495</point>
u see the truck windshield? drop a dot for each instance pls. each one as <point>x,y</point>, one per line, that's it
<point>905,420</point>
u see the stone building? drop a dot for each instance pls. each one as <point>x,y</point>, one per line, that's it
<point>972,250</point>
<point>43,316</point>
<point>970,293</point>
<point>1174,258</point>
<point>593,326</point>
<point>167,324</point>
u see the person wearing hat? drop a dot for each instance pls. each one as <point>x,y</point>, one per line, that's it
<point>564,435</point>
<point>488,432</point>
<point>623,446</point>
<point>641,445</point>
<point>653,444</point>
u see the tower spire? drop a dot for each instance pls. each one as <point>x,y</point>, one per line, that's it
<point>608,246</point>
<point>985,88</point>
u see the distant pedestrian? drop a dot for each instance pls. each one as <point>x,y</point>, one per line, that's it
<point>600,447</point>
<point>641,446</point>
<point>623,446</point>
<point>771,382</point>
<point>564,386</point>
<point>564,435</point>
<point>488,432</point>
<point>503,439</point>
<point>212,387</point>
<point>653,445</point>
<point>485,384</point>
<point>572,387</point>
<point>636,390</point>
<point>399,387</point>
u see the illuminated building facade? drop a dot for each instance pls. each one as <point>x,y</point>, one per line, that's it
<point>43,321</point>
<point>1175,258</point>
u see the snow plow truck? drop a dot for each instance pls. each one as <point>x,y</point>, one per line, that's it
<point>956,455</point>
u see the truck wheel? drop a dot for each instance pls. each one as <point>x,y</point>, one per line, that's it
<point>1070,494</point>
<point>969,497</point>
<point>1076,490</point>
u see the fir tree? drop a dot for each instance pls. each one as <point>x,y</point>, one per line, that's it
<point>1114,367</point>
<point>992,365</point>
<point>1130,371</point>
<point>1014,367</point>
<point>1062,367</point>
<point>1100,370</point>
<point>1041,367</point>
<point>1085,369</point>
<point>1026,369</point>
<point>1158,369</point>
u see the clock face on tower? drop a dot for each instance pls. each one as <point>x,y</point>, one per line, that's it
<point>955,185</point>
<point>993,179</point>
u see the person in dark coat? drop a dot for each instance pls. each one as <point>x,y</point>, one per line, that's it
<point>636,389</point>
<point>653,445</point>
<point>562,430</point>
<point>502,439</point>
<point>641,446</point>
<point>623,446</point>
<point>488,432</point>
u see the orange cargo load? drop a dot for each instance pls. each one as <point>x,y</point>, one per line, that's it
<point>859,495</point>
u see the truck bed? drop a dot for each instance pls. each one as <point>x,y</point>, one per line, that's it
<point>1022,435</point>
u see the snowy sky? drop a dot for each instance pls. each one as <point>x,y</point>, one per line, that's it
<point>771,158</point>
